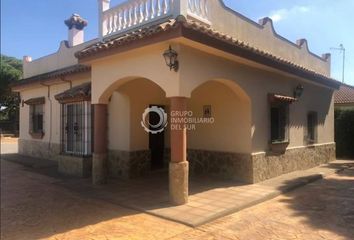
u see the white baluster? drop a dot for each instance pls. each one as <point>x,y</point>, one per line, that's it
<point>206,9</point>
<point>107,24</point>
<point>159,8</point>
<point>125,17</point>
<point>135,10</point>
<point>201,8</point>
<point>198,7</point>
<point>202,12</point>
<point>104,24</point>
<point>147,13</point>
<point>129,16</point>
<point>120,18</point>
<point>115,21</point>
<point>142,11</point>
<point>153,6</point>
<point>167,6</point>
<point>110,21</point>
<point>193,6</point>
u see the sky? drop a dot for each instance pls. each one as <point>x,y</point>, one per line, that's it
<point>36,27</point>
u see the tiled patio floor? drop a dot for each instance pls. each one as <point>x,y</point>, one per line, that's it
<point>208,198</point>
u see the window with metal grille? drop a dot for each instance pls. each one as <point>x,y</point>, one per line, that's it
<point>279,118</point>
<point>312,127</point>
<point>36,118</point>
<point>77,128</point>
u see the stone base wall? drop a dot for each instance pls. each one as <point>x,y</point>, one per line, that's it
<point>266,165</point>
<point>39,149</point>
<point>75,166</point>
<point>125,164</point>
<point>256,168</point>
<point>224,165</point>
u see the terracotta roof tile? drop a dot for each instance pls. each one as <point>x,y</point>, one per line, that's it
<point>281,98</point>
<point>345,94</point>
<point>78,68</point>
<point>81,92</point>
<point>35,101</point>
<point>181,21</point>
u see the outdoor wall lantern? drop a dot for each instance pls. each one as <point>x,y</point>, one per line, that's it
<point>170,56</point>
<point>298,91</point>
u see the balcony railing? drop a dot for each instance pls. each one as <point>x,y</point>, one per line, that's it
<point>136,13</point>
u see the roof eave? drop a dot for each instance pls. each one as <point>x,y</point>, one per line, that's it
<point>203,36</point>
<point>50,77</point>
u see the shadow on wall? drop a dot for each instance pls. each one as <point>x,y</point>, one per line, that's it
<point>320,104</point>
<point>329,207</point>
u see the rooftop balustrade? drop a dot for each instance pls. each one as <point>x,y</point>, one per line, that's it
<point>136,13</point>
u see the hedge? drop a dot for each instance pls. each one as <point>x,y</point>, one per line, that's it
<point>344,133</point>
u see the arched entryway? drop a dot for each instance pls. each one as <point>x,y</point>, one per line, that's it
<point>126,147</point>
<point>133,151</point>
<point>222,147</point>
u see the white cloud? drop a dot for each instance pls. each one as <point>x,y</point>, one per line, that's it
<point>284,13</point>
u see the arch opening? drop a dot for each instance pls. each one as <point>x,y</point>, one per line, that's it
<point>133,151</point>
<point>221,148</point>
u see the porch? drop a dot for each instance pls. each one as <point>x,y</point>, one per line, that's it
<point>209,198</point>
<point>127,144</point>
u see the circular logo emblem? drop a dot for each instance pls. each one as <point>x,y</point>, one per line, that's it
<point>154,119</point>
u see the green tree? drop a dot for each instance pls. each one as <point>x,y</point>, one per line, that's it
<point>10,71</point>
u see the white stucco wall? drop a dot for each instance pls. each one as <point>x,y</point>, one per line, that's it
<point>197,66</point>
<point>64,57</point>
<point>125,114</point>
<point>264,37</point>
<point>231,130</point>
<point>52,109</point>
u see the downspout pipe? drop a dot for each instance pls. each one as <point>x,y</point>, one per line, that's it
<point>50,114</point>
<point>68,81</point>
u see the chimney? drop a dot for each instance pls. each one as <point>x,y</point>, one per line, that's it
<point>76,25</point>
<point>27,59</point>
<point>25,62</point>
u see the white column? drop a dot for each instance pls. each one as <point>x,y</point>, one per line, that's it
<point>179,7</point>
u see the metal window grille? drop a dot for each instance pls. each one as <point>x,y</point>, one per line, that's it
<point>279,118</point>
<point>77,128</point>
<point>312,126</point>
<point>36,119</point>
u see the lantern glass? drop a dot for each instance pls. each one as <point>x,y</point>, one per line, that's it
<point>171,58</point>
<point>298,91</point>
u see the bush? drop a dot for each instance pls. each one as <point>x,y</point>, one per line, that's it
<point>344,133</point>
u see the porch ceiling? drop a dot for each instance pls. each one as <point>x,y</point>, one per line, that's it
<point>181,27</point>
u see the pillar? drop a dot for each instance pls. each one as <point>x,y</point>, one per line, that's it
<point>99,158</point>
<point>178,167</point>
<point>103,5</point>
